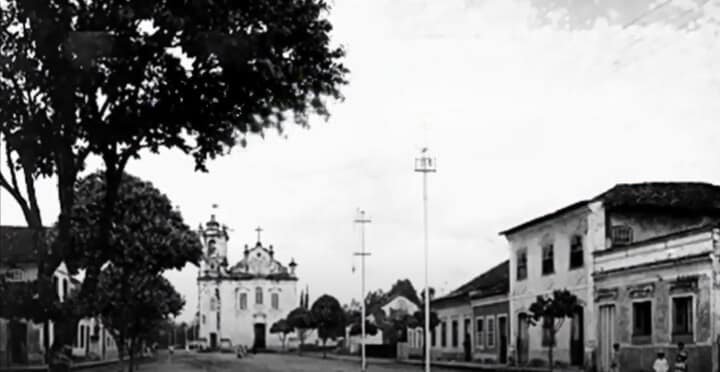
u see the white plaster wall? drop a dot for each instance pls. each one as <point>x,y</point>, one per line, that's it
<point>238,324</point>
<point>448,314</point>
<point>589,223</point>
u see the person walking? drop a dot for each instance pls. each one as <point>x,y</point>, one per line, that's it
<point>681,358</point>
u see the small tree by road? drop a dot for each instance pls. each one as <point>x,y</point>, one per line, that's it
<point>329,319</point>
<point>552,311</point>
<point>301,321</point>
<point>282,329</point>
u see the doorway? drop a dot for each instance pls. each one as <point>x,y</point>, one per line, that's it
<point>18,342</point>
<point>213,340</point>
<point>523,341</point>
<point>259,343</point>
<point>606,335</point>
<point>577,339</point>
<point>502,339</point>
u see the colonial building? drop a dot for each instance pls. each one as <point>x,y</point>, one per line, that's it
<point>653,294</point>
<point>23,341</point>
<point>558,251</point>
<point>489,301</point>
<point>238,304</point>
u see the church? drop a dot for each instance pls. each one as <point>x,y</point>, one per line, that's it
<point>238,304</point>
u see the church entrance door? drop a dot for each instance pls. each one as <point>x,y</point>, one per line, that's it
<point>259,336</point>
<point>213,340</point>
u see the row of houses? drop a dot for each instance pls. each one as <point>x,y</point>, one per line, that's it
<point>23,342</point>
<point>644,261</point>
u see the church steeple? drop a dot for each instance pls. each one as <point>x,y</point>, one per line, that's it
<point>214,239</point>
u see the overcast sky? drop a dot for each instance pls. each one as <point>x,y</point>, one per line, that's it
<point>527,106</point>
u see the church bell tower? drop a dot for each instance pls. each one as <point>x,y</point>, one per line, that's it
<point>214,240</point>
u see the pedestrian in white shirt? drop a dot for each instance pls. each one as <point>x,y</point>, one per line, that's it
<point>661,364</point>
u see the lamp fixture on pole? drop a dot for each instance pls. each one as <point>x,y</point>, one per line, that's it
<point>426,164</point>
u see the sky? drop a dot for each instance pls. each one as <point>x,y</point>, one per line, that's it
<point>527,105</point>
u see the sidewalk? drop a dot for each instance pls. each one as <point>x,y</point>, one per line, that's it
<point>444,364</point>
<point>75,366</point>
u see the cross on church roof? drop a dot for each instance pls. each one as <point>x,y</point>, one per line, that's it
<point>259,230</point>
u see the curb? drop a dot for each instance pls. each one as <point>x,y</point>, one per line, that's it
<point>74,367</point>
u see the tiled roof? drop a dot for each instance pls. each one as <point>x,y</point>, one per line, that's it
<point>17,244</point>
<point>677,196</point>
<point>492,282</point>
<point>691,196</point>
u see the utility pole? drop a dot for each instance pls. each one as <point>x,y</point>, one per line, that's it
<point>425,164</point>
<point>362,220</point>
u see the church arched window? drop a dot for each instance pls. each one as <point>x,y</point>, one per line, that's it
<point>243,301</point>
<point>275,301</point>
<point>258,296</point>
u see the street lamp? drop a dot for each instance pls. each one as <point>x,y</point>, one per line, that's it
<point>426,164</point>
<point>362,220</point>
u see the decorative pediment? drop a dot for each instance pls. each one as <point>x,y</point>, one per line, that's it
<point>606,294</point>
<point>641,290</point>
<point>684,284</point>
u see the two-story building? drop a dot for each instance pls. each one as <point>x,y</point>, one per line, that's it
<point>558,251</point>
<point>23,341</point>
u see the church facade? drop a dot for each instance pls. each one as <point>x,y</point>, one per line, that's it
<point>238,304</point>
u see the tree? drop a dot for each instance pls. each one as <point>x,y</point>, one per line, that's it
<point>131,316</point>
<point>282,329</point>
<point>112,79</point>
<point>552,311</point>
<point>356,328</point>
<point>132,295</point>
<point>301,320</point>
<point>328,318</point>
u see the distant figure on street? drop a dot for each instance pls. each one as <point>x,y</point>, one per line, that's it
<point>661,364</point>
<point>466,347</point>
<point>681,358</point>
<point>171,349</point>
<point>615,360</point>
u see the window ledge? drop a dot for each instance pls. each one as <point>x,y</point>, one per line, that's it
<point>641,339</point>
<point>686,338</point>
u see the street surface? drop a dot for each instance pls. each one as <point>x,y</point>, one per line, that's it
<point>211,362</point>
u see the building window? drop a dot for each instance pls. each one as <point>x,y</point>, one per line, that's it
<point>443,334</point>
<point>642,319</point>
<point>548,259</point>
<point>621,235</point>
<point>275,300</point>
<point>491,332</point>
<point>522,264</point>
<point>258,296</point>
<point>14,275</point>
<point>432,337</point>
<point>576,252</point>
<point>682,315</point>
<point>243,301</point>
<point>64,289</point>
<point>454,331</point>
<point>56,285</point>
<point>203,319</point>
<point>548,330</point>
<point>82,336</point>
<point>480,327</point>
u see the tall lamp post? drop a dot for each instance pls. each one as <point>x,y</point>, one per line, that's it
<point>426,164</point>
<point>362,220</point>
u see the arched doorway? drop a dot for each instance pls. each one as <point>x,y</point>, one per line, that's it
<point>259,343</point>
<point>577,338</point>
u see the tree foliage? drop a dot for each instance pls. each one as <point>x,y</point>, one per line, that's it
<point>282,329</point>
<point>301,320</point>
<point>147,232</point>
<point>552,312</point>
<point>356,328</point>
<point>147,237</point>
<point>115,78</point>
<point>132,305</point>
<point>329,318</point>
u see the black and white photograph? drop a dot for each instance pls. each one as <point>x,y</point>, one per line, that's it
<point>360,185</point>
